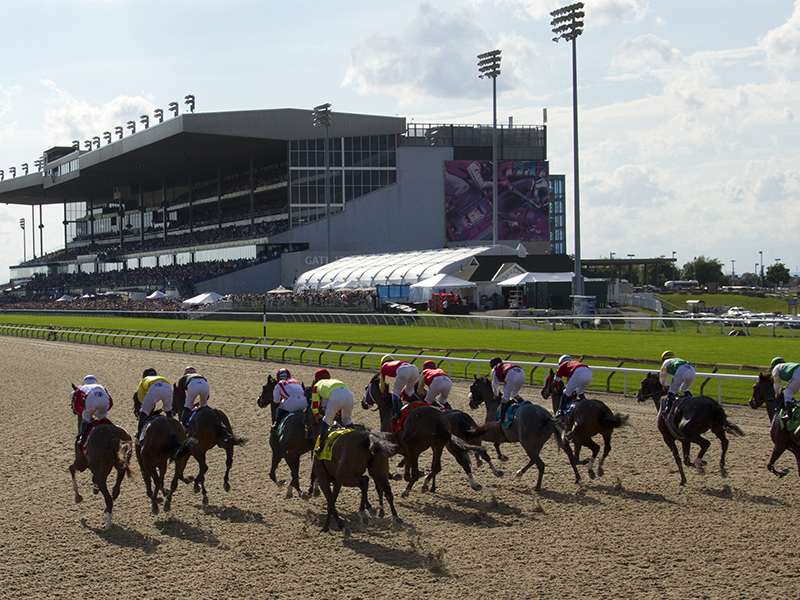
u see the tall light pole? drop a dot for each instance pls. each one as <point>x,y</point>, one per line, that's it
<point>322,118</point>
<point>630,269</point>
<point>22,226</point>
<point>673,265</point>
<point>489,66</point>
<point>761,262</point>
<point>567,25</point>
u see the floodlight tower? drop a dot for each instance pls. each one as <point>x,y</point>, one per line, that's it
<point>489,66</point>
<point>322,118</point>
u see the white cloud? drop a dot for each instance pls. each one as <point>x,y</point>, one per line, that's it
<point>782,44</point>
<point>598,12</point>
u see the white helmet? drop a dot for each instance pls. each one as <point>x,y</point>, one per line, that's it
<point>89,379</point>
<point>188,370</point>
<point>564,358</point>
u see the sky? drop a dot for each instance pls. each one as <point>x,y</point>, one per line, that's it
<point>688,140</point>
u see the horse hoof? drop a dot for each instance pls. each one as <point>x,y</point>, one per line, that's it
<point>281,483</point>
<point>398,521</point>
<point>478,462</point>
<point>155,510</point>
<point>373,512</point>
<point>592,475</point>
<point>78,498</point>
<point>518,473</point>
<point>600,472</point>
<point>477,487</point>
<point>499,474</point>
<point>196,488</point>
<point>227,487</point>
<point>381,513</point>
<point>205,500</point>
<point>404,494</point>
<point>303,496</point>
<point>502,457</point>
<point>288,493</point>
<point>347,533</point>
<point>724,474</point>
<point>366,521</point>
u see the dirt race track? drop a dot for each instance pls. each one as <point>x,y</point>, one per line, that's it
<point>632,534</point>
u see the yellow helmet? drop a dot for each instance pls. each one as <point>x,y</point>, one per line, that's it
<point>387,358</point>
<point>667,354</point>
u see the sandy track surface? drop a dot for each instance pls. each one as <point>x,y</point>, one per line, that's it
<point>632,534</point>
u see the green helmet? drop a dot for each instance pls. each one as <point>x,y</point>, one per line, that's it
<point>776,361</point>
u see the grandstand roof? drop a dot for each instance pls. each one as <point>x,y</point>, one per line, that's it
<point>192,145</point>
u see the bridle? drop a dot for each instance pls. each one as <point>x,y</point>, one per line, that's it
<point>368,393</point>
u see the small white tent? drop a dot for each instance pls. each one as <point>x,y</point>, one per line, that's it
<point>423,290</point>
<point>520,280</point>
<point>206,298</point>
<point>156,294</point>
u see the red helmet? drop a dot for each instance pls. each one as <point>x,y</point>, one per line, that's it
<point>321,374</point>
<point>283,374</point>
<point>429,364</point>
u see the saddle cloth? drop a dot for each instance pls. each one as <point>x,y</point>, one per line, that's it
<point>404,413</point>
<point>278,430</point>
<point>511,412</point>
<point>91,428</point>
<point>195,410</point>
<point>794,419</point>
<point>333,437</point>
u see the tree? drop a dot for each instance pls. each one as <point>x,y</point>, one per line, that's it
<point>748,279</point>
<point>704,270</point>
<point>778,274</point>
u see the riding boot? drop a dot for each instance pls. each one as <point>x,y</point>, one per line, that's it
<point>187,412</point>
<point>323,437</point>
<point>169,414</point>
<point>787,413</point>
<point>397,406</point>
<point>279,416</point>
<point>503,409</point>
<point>666,404</point>
<point>582,396</point>
<point>82,434</point>
<point>142,420</point>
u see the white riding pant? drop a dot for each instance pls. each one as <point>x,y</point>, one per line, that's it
<point>341,399</point>
<point>96,405</point>
<point>293,403</point>
<point>407,375</point>
<point>792,386</point>
<point>159,391</point>
<point>580,380</point>
<point>512,386</point>
<point>196,388</point>
<point>440,387</point>
<point>682,379</point>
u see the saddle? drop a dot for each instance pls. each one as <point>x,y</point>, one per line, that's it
<point>398,425</point>
<point>277,430</point>
<point>195,410</point>
<point>793,422</point>
<point>333,437</point>
<point>93,424</point>
<point>511,412</point>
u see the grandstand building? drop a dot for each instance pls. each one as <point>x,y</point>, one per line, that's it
<point>251,186</point>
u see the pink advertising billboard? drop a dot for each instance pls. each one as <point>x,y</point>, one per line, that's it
<point>523,200</point>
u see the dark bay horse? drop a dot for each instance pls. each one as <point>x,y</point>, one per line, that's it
<point>355,453</point>
<point>211,427</point>
<point>163,441</point>
<point>107,447</point>
<point>532,426</point>
<point>782,439</point>
<point>424,427</point>
<point>693,416</point>
<point>295,441</point>
<point>585,420</point>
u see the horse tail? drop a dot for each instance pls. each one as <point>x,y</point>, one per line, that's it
<point>226,434</point>
<point>177,449</point>
<point>482,429</point>
<point>731,428</point>
<point>616,420</point>
<point>123,455</point>
<point>555,429</point>
<point>380,443</point>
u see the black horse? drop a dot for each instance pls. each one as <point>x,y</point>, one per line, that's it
<point>782,438</point>
<point>692,417</point>
<point>532,426</point>
<point>585,420</point>
<point>295,440</point>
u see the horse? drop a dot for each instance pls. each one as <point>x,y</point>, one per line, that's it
<point>782,439</point>
<point>107,447</point>
<point>211,427</point>
<point>586,419</point>
<point>694,415</point>
<point>293,442</point>
<point>532,427</point>
<point>354,453</point>
<point>424,427</point>
<point>163,441</point>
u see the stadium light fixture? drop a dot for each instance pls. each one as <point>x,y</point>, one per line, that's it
<point>761,262</point>
<point>76,144</point>
<point>107,136</point>
<point>39,163</point>
<point>24,243</point>
<point>489,66</point>
<point>2,175</point>
<point>87,144</point>
<point>118,131</point>
<point>13,171</point>
<point>145,120</point>
<point>321,117</point>
<point>173,106</point>
<point>567,25</point>
<point>159,114</point>
<point>132,126</point>
<point>25,169</point>
<point>189,101</point>
<point>96,140</point>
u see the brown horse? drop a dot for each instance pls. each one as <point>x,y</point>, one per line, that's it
<point>532,426</point>
<point>424,427</point>
<point>211,427</point>
<point>295,440</point>
<point>782,439</point>
<point>586,419</point>
<point>691,417</point>
<point>163,440</point>
<point>354,453</point>
<point>107,447</point>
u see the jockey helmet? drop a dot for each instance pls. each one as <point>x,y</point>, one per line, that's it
<point>387,358</point>
<point>564,358</point>
<point>89,379</point>
<point>320,374</point>
<point>495,361</point>
<point>776,361</point>
<point>151,372</point>
<point>188,370</point>
<point>283,374</point>
<point>667,354</point>
<point>429,364</point>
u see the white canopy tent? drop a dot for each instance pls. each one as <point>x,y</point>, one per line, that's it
<point>156,294</point>
<point>423,290</point>
<point>520,280</point>
<point>205,298</point>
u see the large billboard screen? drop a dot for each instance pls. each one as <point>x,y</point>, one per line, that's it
<point>523,200</point>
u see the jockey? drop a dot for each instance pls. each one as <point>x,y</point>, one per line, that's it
<point>439,384</point>
<point>190,387</point>
<point>405,376</point>
<point>151,390</point>
<point>90,400</point>
<point>331,396</point>
<point>288,396</point>
<point>511,376</point>
<point>790,374</point>
<point>682,373</point>
<point>579,377</point>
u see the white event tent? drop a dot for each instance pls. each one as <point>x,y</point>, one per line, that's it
<point>423,290</point>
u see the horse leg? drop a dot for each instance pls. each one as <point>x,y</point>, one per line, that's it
<point>277,456</point>
<point>154,492</point>
<point>723,440</point>
<point>200,480</point>
<point>72,470</point>
<point>294,483</point>
<point>462,458</point>
<point>436,468</point>
<point>777,450</point>
<point>228,464</point>
<point>606,451</point>
<point>412,473</point>
<point>180,465</point>
<point>704,444</point>
<point>365,509</point>
<point>595,448</point>
<point>670,442</point>
<point>500,455</point>
<point>118,483</point>
<point>99,480</point>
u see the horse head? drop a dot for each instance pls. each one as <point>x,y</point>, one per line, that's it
<point>479,392</point>
<point>267,390</point>
<point>551,387</point>
<point>650,388</point>
<point>763,391</point>
<point>371,393</point>
<point>137,404</point>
